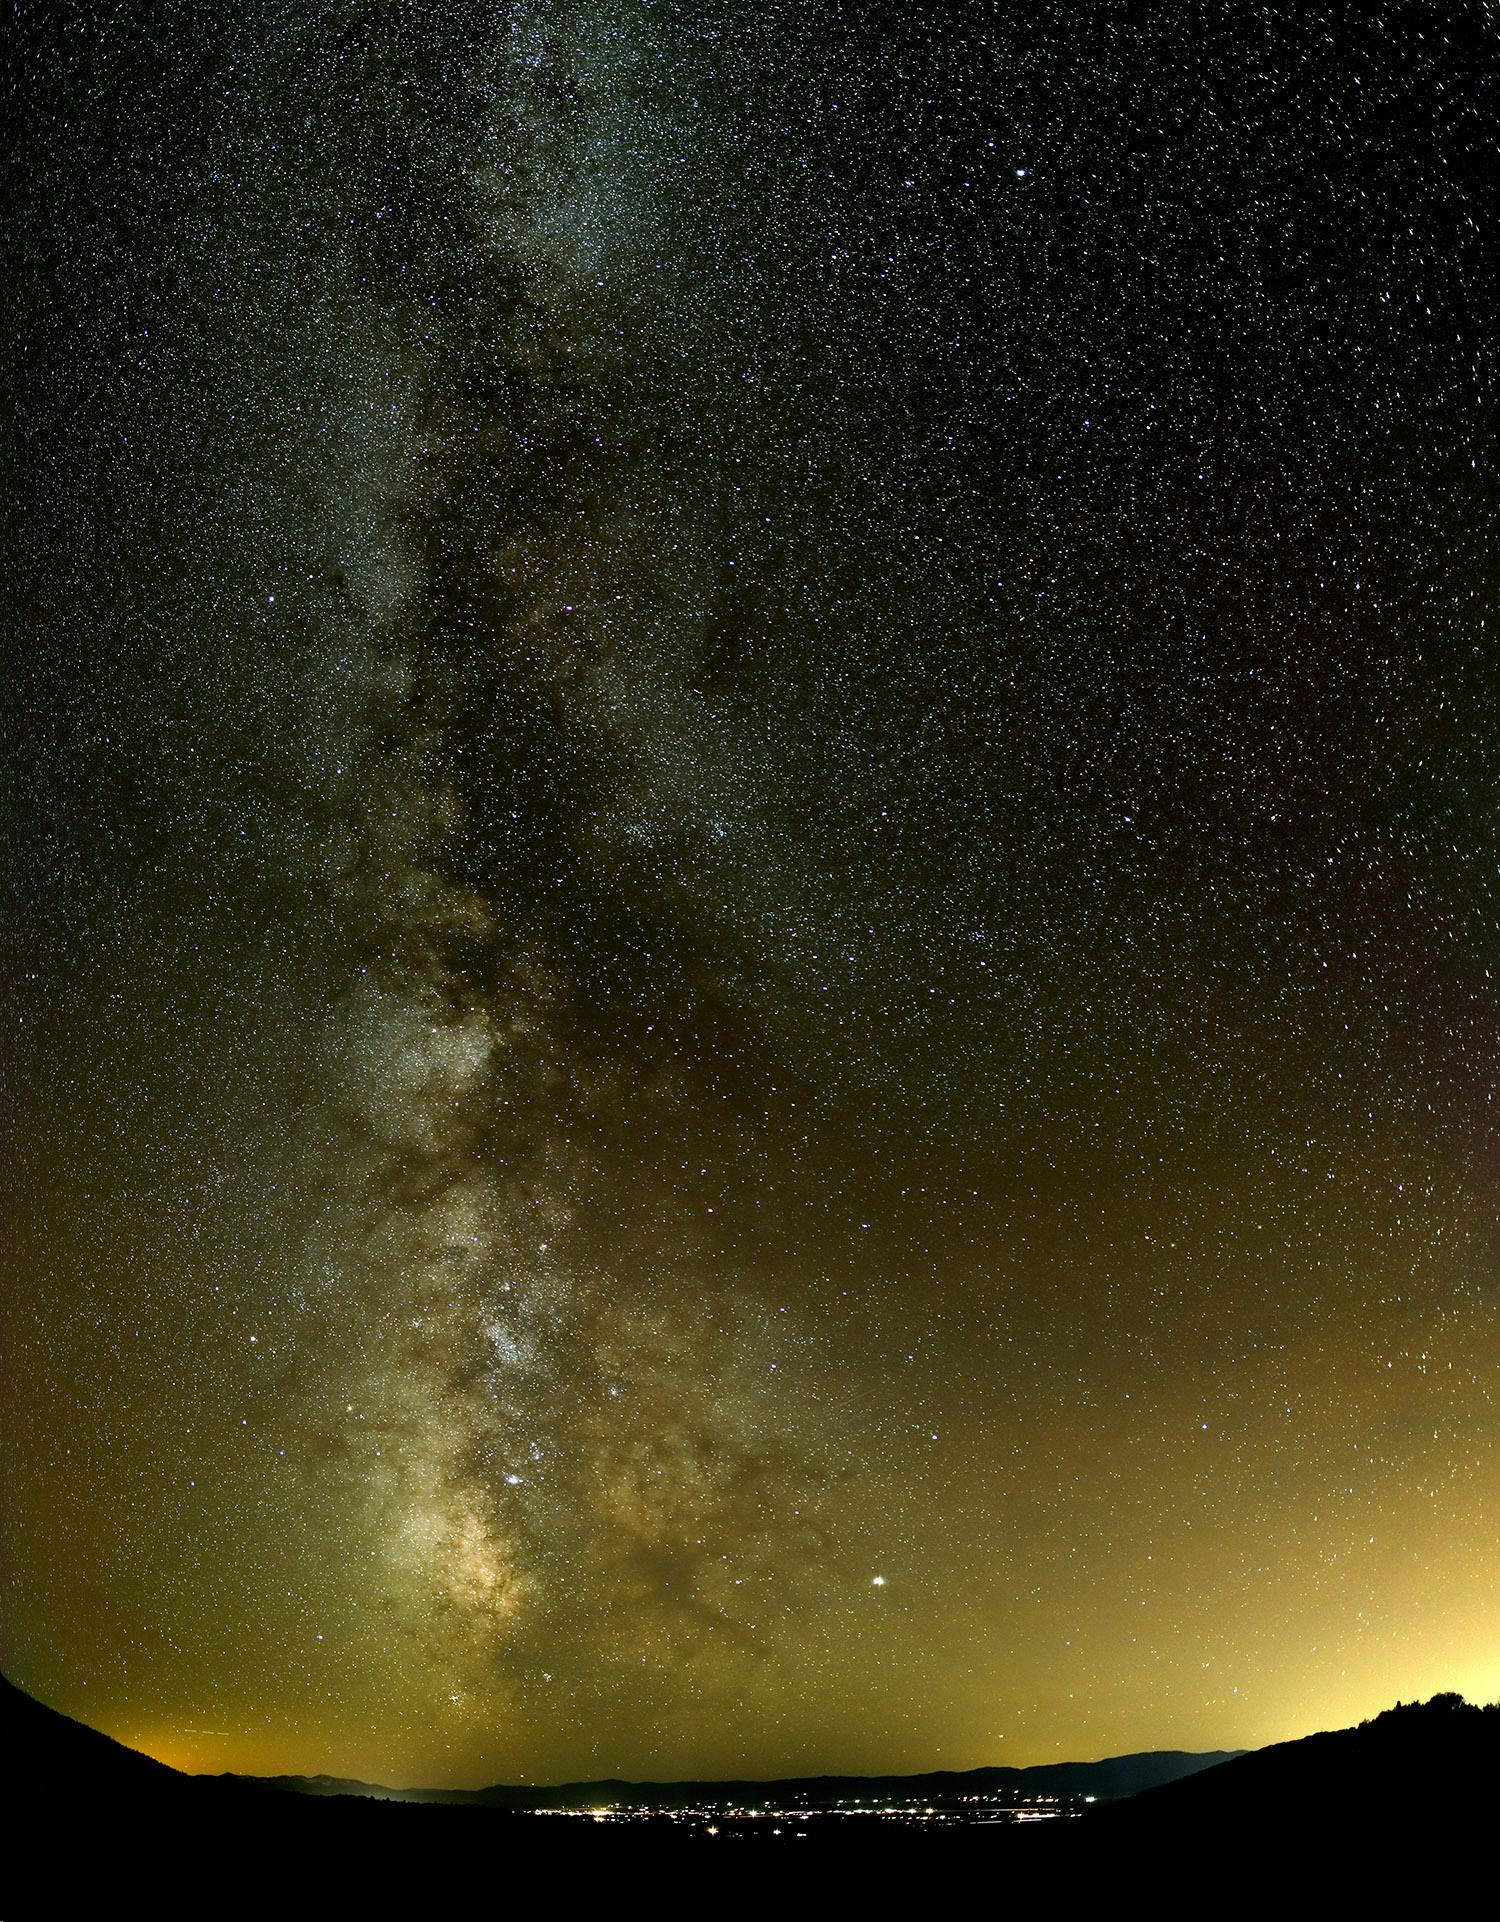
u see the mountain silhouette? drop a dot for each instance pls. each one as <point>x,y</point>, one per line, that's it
<point>1119,1775</point>
<point>62,1751</point>
<point>92,1822</point>
<point>1435,1762</point>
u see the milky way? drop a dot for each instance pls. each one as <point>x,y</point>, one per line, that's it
<point>754,871</point>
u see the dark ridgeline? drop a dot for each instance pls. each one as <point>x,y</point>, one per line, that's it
<point>59,1751</point>
<point>1413,1790</point>
<point>1119,1775</point>
<point>1427,1771</point>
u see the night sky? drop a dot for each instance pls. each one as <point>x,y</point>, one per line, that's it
<point>754,843</point>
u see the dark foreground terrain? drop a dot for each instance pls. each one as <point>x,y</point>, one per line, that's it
<point>1403,1805</point>
<point>950,1790</point>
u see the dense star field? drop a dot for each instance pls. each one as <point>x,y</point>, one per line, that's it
<point>755,879</point>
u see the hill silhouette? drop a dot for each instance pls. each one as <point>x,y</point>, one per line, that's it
<point>1109,1780</point>
<point>80,1759</point>
<point>91,1820</point>
<point>1435,1762</point>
